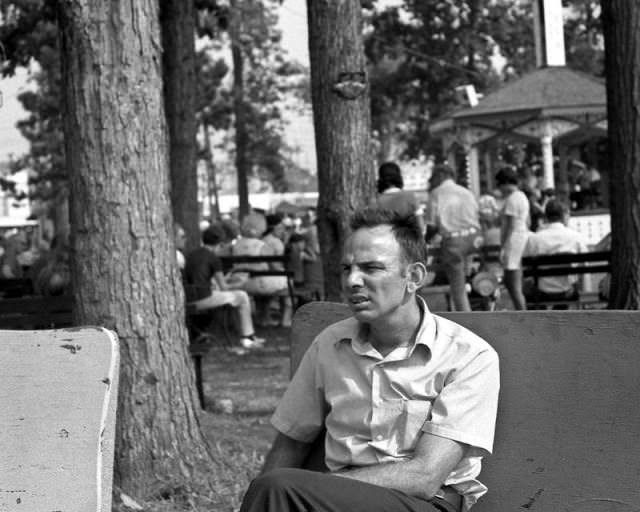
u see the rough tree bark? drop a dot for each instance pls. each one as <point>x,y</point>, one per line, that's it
<point>341,114</point>
<point>124,271</point>
<point>179,73</point>
<point>621,22</point>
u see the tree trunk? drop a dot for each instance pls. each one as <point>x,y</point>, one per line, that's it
<point>620,19</point>
<point>243,165</point>
<point>123,265</point>
<point>341,112</point>
<point>178,39</point>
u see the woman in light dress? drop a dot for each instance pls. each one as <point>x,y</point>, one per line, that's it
<point>514,233</point>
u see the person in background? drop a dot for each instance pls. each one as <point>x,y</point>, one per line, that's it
<point>405,400</point>
<point>453,213</point>
<point>181,243</point>
<point>14,246</point>
<point>207,287</point>
<point>555,238</point>
<point>514,233</point>
<point>274,245</point>
<point>391,195</point>
<point>262,288</point>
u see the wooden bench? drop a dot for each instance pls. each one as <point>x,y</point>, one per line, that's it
<point>36,312</point>
<point>568,430</point>
<point>235,264</point>
<point>58,395</point>
<point>595,262</point>
<point>15,287</point>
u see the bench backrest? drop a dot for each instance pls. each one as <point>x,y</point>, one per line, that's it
<point>58,392</point>
<point>568,431</point>
<point>566,264</point>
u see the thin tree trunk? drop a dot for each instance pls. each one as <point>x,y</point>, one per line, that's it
<point>342,126</point>
<point>243,165</point>
<point>123,265</point>
<point>212,184</point>
<point>621,25</point>
<point>178,37</point>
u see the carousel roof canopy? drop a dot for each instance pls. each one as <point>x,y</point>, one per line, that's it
<point>573,102</point>
<point>549,91</point>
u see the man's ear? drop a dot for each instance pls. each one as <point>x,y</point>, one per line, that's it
<point>417,275</point>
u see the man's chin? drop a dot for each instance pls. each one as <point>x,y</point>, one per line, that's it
<point>363,314</point>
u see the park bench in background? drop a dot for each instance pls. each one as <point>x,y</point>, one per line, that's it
<point>296,294</point>
<point>36,312</point>
<point>58,400</point>
<point>568,426</point>
<point>15,287</point>
<point>591,263</point>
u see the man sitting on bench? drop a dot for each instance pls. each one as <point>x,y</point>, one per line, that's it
<point>207,287</point>
<point>555,238</point>
<point>408,399</point>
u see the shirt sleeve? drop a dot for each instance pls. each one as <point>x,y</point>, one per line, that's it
<point>465,410</point>
<point>301,411</point>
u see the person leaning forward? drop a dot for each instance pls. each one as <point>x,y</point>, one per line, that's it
<point>408,399</point>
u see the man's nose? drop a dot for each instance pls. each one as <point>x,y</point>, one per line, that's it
<point>353,278</point>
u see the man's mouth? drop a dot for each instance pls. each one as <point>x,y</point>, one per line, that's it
<point>358,300</point>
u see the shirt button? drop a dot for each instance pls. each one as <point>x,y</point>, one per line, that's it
<point>379,437</point>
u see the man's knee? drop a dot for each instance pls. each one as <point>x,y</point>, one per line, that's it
<point>278,479</point>
<point>241,298</point>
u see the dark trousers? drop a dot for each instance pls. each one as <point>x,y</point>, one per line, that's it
<point>301,490</point>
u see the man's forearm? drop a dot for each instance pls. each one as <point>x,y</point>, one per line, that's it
<point>286,453</point>
<point>410,477</point>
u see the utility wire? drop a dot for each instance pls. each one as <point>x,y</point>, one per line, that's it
<point>409,51</point>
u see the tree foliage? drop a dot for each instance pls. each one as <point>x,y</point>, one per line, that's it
<point>422,50</point>
<point>29,35</point>
<point>267,77</point>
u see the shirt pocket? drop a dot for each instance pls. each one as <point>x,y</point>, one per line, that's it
<point>414,415</point>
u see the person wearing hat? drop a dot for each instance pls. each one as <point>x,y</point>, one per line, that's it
<point>513,234</point>
<point>391,195</point>
<point>453,213</point>
<point>207,287</point>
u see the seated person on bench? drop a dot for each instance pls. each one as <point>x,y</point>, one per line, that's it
<point>408,399</point>
<point>555,238</point>
<point>207,287</point>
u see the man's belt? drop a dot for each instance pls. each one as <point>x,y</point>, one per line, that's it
<point>462,232</point>
<point>448,499</point>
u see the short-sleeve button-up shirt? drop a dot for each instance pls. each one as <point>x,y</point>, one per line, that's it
<point>375,408</point>
<point>452,208</point>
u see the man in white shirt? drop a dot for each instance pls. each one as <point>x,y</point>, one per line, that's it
<point>405,400</point>
<point>453,213</point>
<point>555,238</point>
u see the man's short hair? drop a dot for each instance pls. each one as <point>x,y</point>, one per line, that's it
<point>507,176</point>
<point>443,170</point>
<point>213,235</point>
<point>389,175</point>
<point>555,210</point>
<point>405,228</point>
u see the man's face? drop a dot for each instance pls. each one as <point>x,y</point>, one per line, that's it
<point>374,275</point>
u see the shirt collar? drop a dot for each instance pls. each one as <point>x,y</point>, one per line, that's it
<point>425,336</point>
<point>391,190</point>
